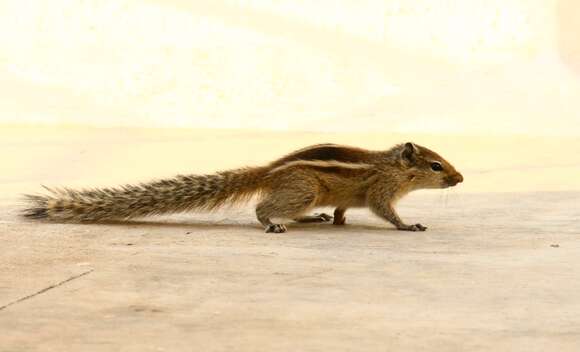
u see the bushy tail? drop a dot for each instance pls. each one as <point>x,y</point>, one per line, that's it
<point>174,195</point>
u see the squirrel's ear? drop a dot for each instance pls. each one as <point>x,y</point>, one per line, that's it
<point>409,152</point>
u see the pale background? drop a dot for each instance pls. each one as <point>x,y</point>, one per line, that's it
<point>477,66</point>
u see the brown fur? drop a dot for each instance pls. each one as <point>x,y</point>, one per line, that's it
<point>320,175</point>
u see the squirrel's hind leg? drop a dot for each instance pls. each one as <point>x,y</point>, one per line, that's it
<point>286,203</point>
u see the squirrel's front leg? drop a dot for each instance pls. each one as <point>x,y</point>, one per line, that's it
<point>383,207</point>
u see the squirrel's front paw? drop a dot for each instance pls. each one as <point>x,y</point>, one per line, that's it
<point>416,227</point>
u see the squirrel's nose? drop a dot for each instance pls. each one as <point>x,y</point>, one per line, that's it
<point>459,177</point>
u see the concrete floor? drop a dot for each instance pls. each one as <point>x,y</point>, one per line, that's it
<point>493,272</point>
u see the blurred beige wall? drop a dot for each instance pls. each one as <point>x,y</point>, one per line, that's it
<point>478,66</point>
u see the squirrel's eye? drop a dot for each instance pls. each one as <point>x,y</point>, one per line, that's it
<point>435,166</point>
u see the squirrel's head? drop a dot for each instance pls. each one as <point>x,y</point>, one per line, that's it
<point>428,169</point>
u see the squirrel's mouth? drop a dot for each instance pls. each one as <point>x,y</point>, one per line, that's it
<point>453,180</point>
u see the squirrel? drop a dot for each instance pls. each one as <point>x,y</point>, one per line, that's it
<point>320,175</point>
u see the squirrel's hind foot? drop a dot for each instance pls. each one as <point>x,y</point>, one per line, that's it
<point>322,217</point>
<point>276,228</point>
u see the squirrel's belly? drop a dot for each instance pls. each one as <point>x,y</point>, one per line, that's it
<point>338,199</point>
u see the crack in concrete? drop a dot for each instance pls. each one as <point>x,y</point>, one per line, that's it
<point>74,277</point>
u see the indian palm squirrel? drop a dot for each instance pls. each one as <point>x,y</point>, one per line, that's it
<point>321,175</point>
